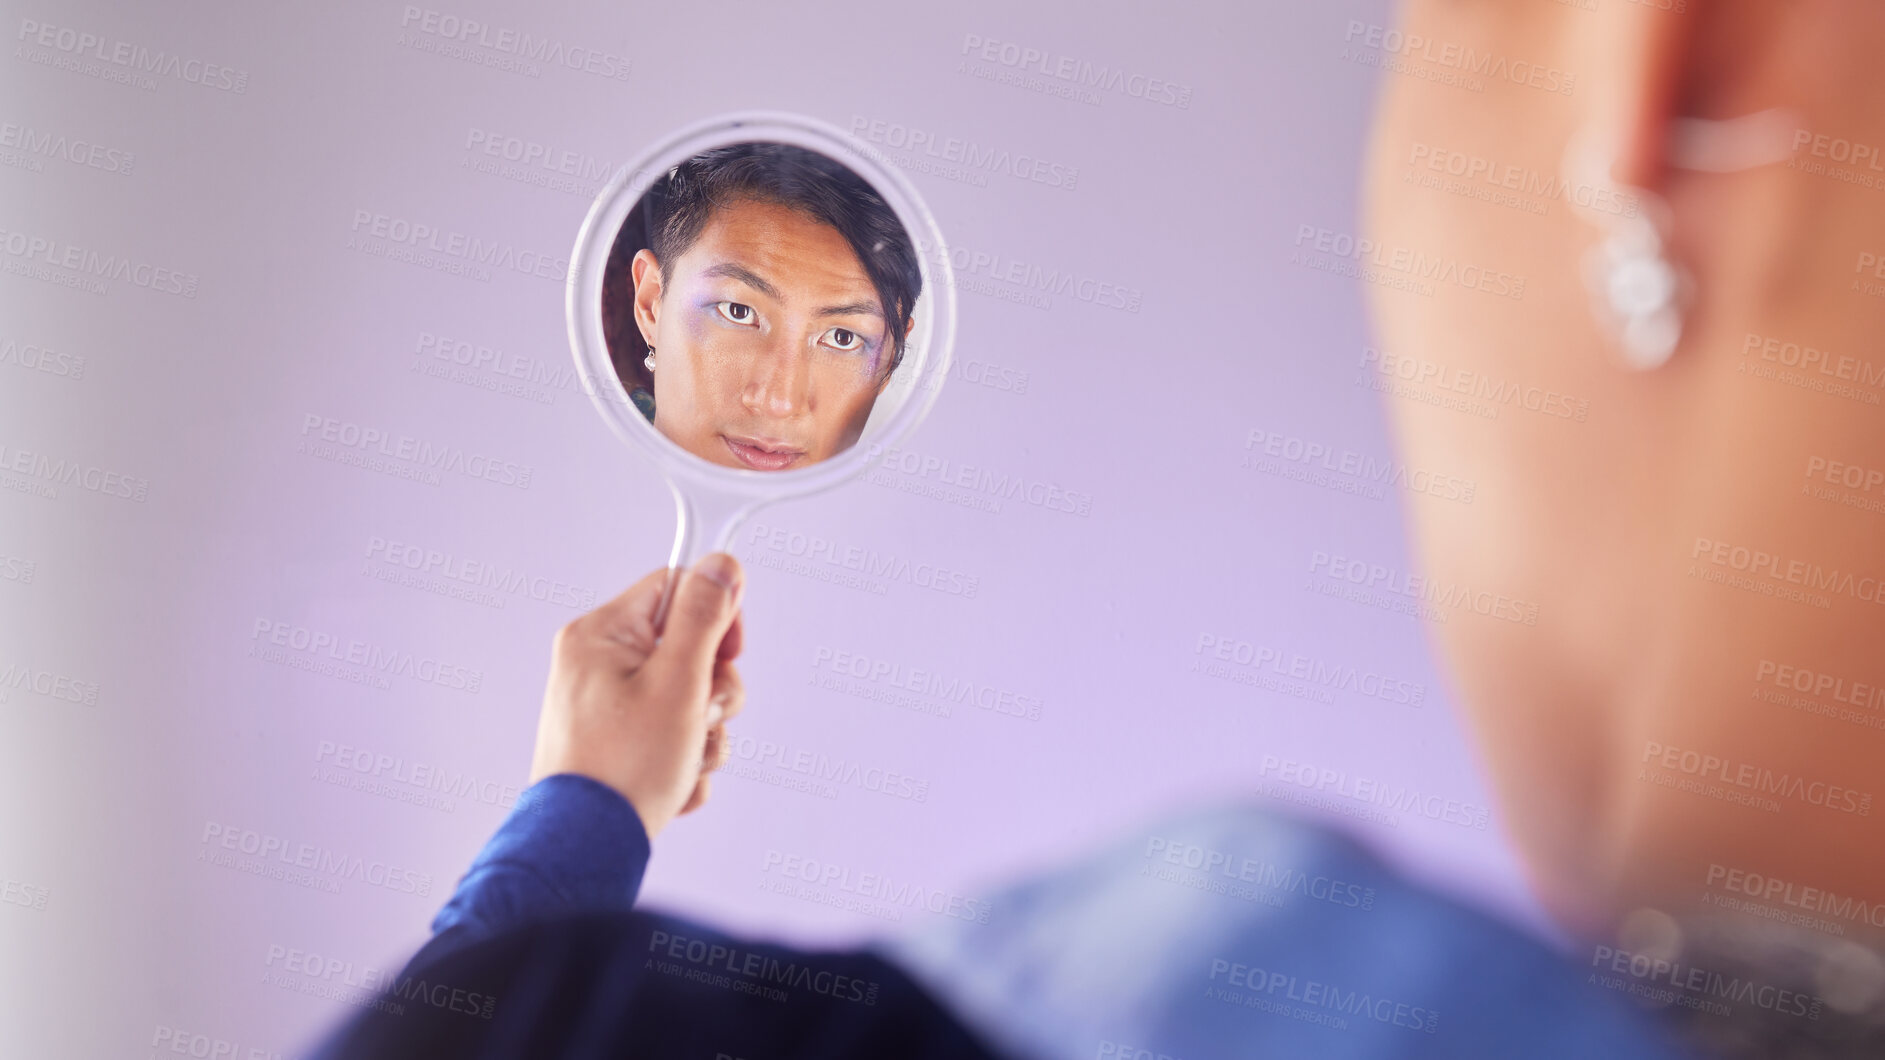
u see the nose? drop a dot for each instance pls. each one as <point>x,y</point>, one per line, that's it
<point>780,383</point>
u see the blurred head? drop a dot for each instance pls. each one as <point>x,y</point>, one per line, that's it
<point>1676,529</point>
<point>777,290</point>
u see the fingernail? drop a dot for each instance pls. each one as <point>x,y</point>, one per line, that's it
<point>716,712</point>
<point>722,569</point>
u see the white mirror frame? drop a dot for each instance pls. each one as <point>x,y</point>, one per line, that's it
<point>711,501</point>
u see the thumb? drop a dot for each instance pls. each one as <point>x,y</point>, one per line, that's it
<point>706,602</point>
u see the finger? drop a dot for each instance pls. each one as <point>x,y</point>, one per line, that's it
<point>705,604</point>
<point>630,599</point>
<point>735,639</point>
<point>632,610</point>
<point>729,691</point>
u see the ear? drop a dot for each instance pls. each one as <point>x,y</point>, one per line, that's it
<point>645,273</point>
<point>1647,56</point>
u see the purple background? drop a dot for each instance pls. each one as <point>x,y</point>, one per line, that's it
<point>1098,617</point>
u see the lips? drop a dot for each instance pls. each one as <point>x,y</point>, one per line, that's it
<point>762,455</point>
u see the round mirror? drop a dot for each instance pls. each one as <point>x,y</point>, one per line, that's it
<point>761,308</point>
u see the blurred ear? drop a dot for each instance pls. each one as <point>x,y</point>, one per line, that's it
<point>645,273</point>
<point>1644,54</point>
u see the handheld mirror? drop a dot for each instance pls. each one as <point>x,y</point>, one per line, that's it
<point>762,309</point>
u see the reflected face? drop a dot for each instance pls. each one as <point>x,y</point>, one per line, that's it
<point>771,344</point>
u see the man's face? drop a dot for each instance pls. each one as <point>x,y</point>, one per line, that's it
<point>770,342</point>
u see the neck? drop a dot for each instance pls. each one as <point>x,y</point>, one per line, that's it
<point>1749,739</point>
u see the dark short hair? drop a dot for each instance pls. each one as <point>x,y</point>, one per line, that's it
<point>677,206</point>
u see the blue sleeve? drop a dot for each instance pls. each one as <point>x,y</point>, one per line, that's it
<point>570,845</point>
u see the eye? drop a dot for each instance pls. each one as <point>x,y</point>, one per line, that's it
<point>737,312</point>
<point>844,340</point>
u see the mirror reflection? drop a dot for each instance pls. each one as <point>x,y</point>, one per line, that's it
<point>757,304</point>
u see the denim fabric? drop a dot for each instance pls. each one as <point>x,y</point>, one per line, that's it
<point>1235,932</point>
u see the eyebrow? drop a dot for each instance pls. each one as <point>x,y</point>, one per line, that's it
<point>735,271</point>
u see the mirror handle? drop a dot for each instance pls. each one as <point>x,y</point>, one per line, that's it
<point>705,520</point>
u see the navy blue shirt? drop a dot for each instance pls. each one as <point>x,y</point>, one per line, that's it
<point>1231,932</point>
<point>539,954</point>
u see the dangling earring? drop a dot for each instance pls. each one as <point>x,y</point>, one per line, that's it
<point>1638,294</point>
<point>649,361</point>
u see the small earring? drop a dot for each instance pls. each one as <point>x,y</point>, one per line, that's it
<point>649,360</point>
<point>1637,292</point>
